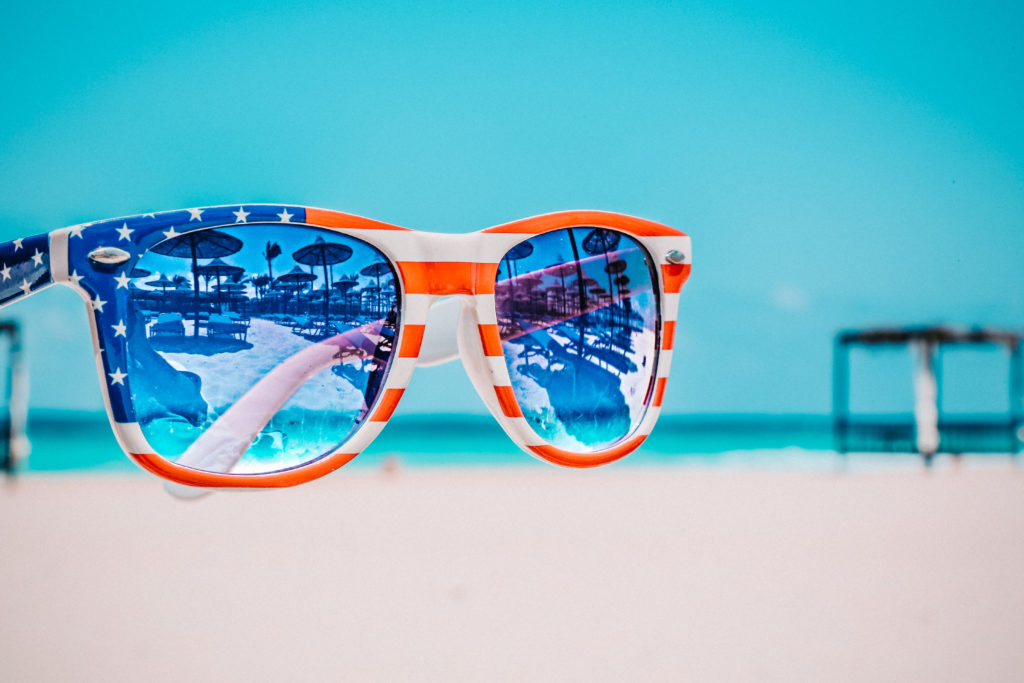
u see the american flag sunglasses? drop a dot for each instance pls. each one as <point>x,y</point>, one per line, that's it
<point>260,346</point>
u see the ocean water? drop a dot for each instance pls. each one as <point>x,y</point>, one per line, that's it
<point>84,442</point>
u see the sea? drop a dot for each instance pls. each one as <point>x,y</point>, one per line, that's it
<point>83,442</point>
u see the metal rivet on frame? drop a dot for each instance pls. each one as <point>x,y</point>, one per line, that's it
<point>675,256</point>
<point>110,256</point>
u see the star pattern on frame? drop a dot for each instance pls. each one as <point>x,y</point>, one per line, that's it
<point>24,266</point>
<point>110,291</point>
<point>132,229</point>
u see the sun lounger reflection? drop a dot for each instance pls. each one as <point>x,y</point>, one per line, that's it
<point>220,325</point>
<point>168,325</point>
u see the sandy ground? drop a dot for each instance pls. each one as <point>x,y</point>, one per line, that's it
<point>621,574</point>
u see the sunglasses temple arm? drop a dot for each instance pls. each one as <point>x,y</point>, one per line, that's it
<point>24,270</point>
<point>223,444</point>
<point>24,267</point>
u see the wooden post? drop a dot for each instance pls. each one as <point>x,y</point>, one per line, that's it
<point>840,392</point>
<point>926,409</point>
<point>1016,398</point>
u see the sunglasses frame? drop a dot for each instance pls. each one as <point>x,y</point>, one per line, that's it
<point>429,266</point>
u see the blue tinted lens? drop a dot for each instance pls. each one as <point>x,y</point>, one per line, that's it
<point>257,348</point>
<point>578,315</point>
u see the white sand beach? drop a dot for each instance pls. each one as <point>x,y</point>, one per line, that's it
<point>621,574</point>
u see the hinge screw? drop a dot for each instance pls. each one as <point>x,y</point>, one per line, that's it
<point>675,256</point>
<point>109,256</point>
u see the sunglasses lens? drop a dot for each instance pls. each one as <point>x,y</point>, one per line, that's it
<point>577,312</point>
<point>257,348</point>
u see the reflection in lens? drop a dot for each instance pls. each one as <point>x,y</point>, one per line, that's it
<point>255,348</point>
<point>578,315</point>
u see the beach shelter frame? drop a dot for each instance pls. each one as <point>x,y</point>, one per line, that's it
<point>928,431</point>
<point>92,258</point>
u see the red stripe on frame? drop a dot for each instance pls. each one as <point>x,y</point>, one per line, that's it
<point>448,277</point>
<point>387,405</point>
<point>337,219</point>
<point>603,219</point>
<point>674,276</point>
<point>491,340</point>
<point>190,477</point>
<point>659,391</point>
<point>508,402</point>
<point>670,332</point>
<point>570,459</point>
<point>412,339</point>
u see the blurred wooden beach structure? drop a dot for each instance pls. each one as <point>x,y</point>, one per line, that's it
<point>13,441</point>
<point>927,431</point>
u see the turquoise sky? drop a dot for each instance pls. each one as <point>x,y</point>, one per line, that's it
<point>836,165</point>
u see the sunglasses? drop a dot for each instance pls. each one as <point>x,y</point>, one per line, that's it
<point>260,346</point>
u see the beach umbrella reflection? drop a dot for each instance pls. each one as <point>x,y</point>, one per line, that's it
<point>530,283</point>
<point>562,270</point>
<point>196,245</point>
<point>324,254</point>
<point>232,289</point>
<point>520,251</point>
<point>601,241</point>
<point>613,268</point>
<point>345,286</point>
<point>163,282</point>
<point>218,268</point>
<point>137,273</point>
<point>376,270</point>
<point>295,279</point>
<point>581,319</point>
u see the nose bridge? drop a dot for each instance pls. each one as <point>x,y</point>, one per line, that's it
<point>447,267</point>
<point>440,342</point>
